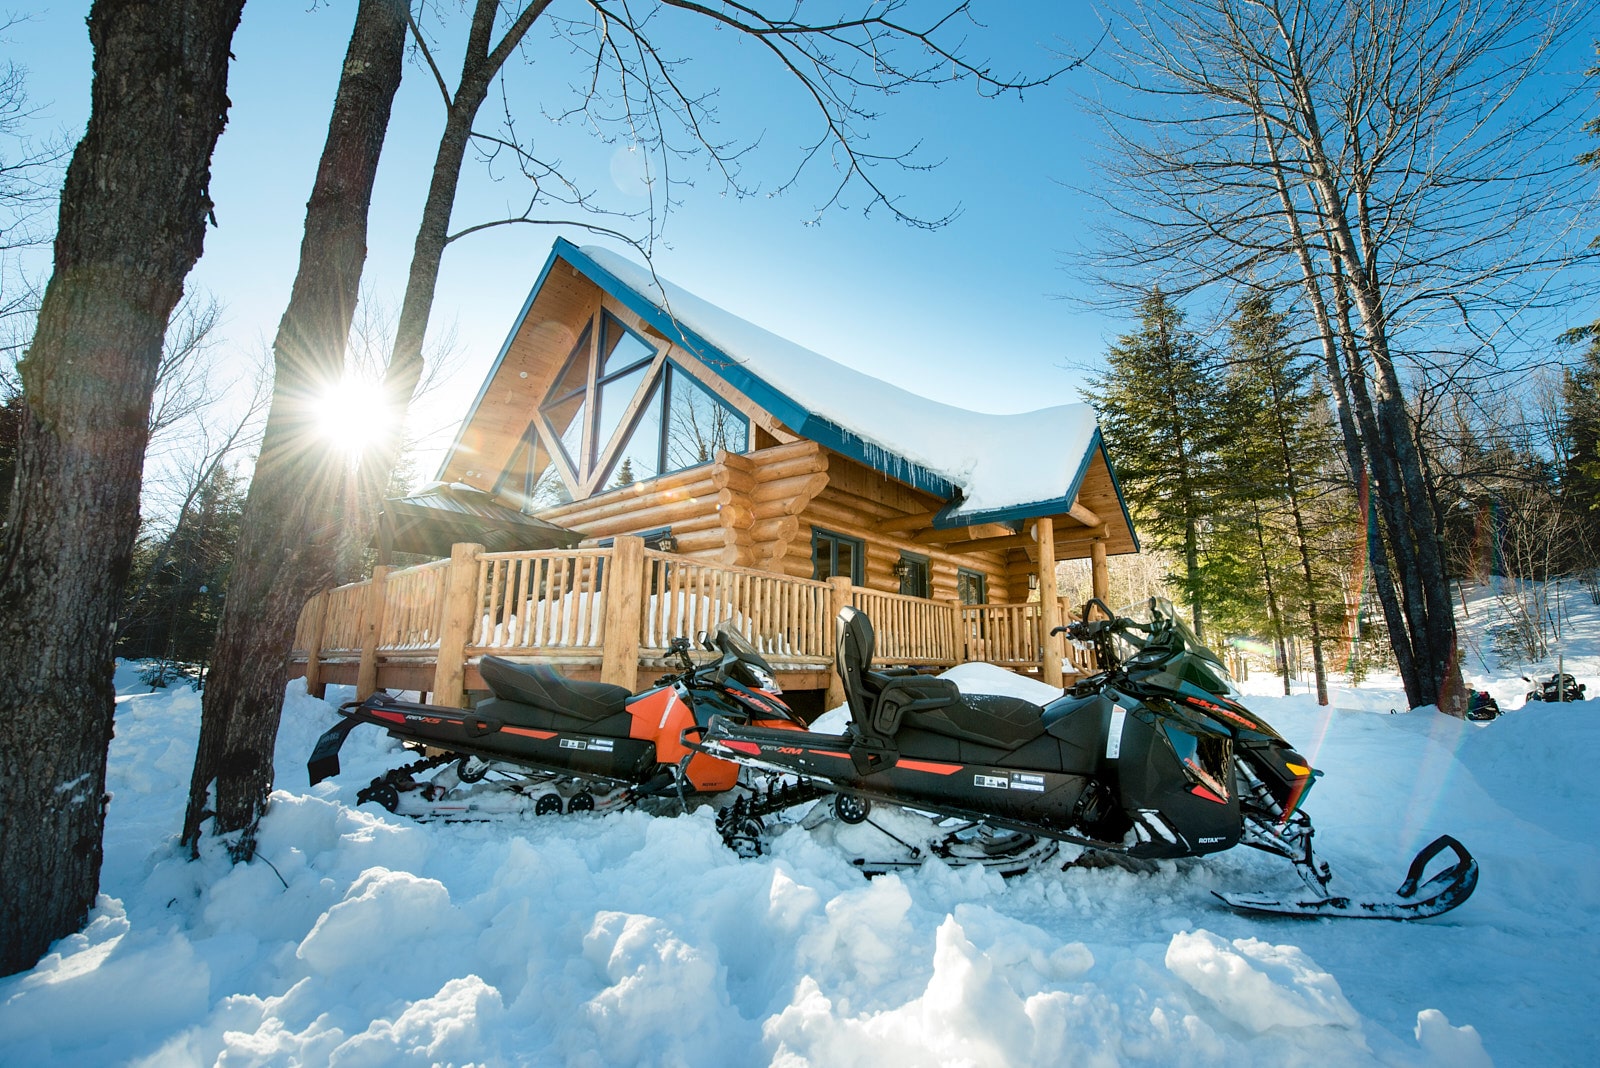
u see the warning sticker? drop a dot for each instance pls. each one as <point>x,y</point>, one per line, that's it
<point>991,782</point>
<point>1034,783</point>
<point>602,745</point>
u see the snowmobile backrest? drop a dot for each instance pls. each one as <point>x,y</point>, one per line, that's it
<point>854,660</point>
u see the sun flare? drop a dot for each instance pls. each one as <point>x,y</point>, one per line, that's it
<point>350,414</point>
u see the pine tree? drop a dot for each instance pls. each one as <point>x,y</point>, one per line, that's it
<point>1155,403</point>
<point>1278,443</point>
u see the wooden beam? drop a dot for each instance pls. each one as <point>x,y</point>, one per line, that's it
<point>1025,541</point>
<point>1049,604</point>
<point>1100,572</point>
<point>915,521</point>
<point>1084,516</point>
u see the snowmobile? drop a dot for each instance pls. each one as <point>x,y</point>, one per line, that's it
<point>1558,687</point>
<point>548,744</point>
<point>1152,758</point>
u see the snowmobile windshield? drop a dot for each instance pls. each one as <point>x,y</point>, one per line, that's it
<point>1171,655</point>
<point>749,666</point>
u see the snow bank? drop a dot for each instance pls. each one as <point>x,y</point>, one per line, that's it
<point>627,939</point>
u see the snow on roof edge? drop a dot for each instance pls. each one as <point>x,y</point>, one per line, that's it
<point>994,462</point>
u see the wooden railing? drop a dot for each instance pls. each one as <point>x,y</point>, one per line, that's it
<point>547,601</point>
<point>911,630</point>
<point>411,601</point>
<point>787,619</point>
<point>1006,634</point>
<point>616,606</point>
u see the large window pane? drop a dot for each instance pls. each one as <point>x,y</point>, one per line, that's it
<point>566,423</point>
<point>615,396</point>
<point>619,347</point>
<point>698,424</point>
<point>574,377</point>
<point>834,554</point>
<point>640,458</point>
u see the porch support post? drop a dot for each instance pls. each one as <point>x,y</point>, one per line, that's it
<point>838,599</point>
<point>624,593</point>
<point>371,627</point>
<point>317,608</point>
<point>457,616</point>
<point>1044,529</point>
<point>1099,569</point>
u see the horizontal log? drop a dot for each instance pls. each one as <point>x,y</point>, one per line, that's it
<point>1084,516</point>
<point>781,453</point>
<point>783,489</point>
<point>609,508</point>
<point>739,480</point>
<point>662,515</point>
<point>773,509</point>
<point>915,521</point>
<point>697,540</point>
<point>642,488</point>
<point>735,516</point>
<point>782,527</point>
<point>814,464</point>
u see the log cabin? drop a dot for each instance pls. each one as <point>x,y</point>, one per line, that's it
<point>708,469</point>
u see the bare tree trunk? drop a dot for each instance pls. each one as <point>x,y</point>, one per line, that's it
<point>132,223</point>
<point>481,62</point>
<point>290,530</point>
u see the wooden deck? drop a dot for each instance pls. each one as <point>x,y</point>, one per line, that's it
<point>609,614</point>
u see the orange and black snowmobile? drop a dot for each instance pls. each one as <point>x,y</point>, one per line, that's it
<point>546,744</point>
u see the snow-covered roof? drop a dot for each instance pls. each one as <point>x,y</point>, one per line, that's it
<point>992,467</point>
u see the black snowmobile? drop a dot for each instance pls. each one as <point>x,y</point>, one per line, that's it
<point>548,744</point>
<point>1558,687</point>
<point>1152,758</point>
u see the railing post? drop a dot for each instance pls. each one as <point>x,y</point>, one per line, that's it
<point>318,607</point>
<point>958,644</point>
<point>839,595</point>
<point>624,603</point>
<point>458,612</point>
<point>371,628</point>
<point>1044,529</point>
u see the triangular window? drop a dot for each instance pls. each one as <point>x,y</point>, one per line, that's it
<point>618,413</point>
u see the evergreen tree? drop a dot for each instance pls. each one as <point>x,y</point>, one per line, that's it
<point>178,581</point>
<point>1156,406</point>
<point>1277,447</point>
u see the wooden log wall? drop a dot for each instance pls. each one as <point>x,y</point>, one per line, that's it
<point>854,502</point>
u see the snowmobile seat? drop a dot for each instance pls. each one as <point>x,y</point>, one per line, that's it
<point>986,718</point>
<point>543,687</point>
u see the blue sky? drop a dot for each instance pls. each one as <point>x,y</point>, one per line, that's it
<point>969,314</point>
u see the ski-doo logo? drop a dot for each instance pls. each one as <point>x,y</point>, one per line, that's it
<point>991,782</point>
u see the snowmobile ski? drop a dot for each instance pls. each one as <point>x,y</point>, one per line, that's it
<point>1438,895</point>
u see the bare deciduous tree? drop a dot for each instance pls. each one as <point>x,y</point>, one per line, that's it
<point>131,224</point>
<point>1388,161</point>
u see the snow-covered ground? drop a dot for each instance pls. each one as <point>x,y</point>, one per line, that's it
<point>631,940</point>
